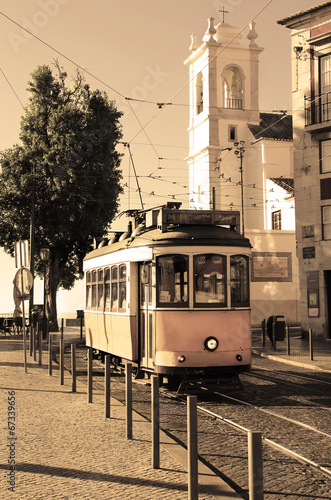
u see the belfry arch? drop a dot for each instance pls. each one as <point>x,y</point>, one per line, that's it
<point>233,80</point>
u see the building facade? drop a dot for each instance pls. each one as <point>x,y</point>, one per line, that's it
<point>311,90</point>
<point>242,159</point>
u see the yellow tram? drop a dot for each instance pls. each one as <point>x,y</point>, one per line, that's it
<point>171,295</point>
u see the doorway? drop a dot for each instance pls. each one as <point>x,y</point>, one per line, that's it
<point>146,315</point>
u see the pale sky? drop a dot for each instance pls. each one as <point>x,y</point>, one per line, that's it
<point>137,48</point>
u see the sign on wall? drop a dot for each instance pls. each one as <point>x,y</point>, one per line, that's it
<point>271,266</point>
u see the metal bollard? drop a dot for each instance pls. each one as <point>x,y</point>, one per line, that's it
<point>50,346</point>
<point>155,423</point>
<point>287,329</point>
<point>35,336</point>
<point>128,399</point>
<point>263,332</point>
<point>107,386</point>
<point>192,447</point>
<point>31,340</point>
<point>311,347</point>
<point>62,361</point>
<point>255,465</point>
<point>89,375</point>
<point>73,367</point>
<point>40,346</point>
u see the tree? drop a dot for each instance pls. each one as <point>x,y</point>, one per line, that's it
<point>67,158</point>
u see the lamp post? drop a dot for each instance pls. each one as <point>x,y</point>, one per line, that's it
<point>44,255</point>
<point>239,152</point>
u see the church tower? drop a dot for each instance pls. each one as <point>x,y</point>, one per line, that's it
<point>224,98</point>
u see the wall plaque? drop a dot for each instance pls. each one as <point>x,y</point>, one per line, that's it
<point>308,252</point>
<point>271,266</point>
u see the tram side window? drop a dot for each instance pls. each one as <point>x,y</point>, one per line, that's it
<point>100,290</point>
<point>88,290</point>
<point>239,281</point>
<point>209,280</point>
<point>107,289</point>
<point>94,290</point>
<point>122,288</point>
<point>114,288</point>
<point>172,280</point>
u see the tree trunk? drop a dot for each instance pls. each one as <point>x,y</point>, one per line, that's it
<point>51,292</point>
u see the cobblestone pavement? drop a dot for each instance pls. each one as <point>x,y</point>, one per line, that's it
<point>61,447</point>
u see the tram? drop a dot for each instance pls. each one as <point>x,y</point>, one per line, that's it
<point>171,294</point>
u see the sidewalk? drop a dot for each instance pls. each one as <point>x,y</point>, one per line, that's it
<point>299,351</point>
<point>62,447</point>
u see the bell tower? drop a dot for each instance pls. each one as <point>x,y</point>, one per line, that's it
<point>224,98</point>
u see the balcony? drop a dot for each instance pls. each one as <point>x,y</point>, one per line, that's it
<point>318,112</point>
<point>233,104</point>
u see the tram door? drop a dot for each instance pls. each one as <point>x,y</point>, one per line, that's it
<point>146,315</point>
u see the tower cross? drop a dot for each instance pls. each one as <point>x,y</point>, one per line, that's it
<point>223,11</point>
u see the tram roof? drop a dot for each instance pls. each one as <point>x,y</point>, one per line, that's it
<point>176,235</point>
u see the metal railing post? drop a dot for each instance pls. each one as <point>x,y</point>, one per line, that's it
<point>192,447</point>
<point>50,346</point>
<point>155,423</point>
<point>311,347</point>
<point>263,332</point>
<point>287,330</point>
<point>107,386</point>
<point>89,375</point>
<point>255,465</point>
<point>40,346</point>
<point>61,361</point>
<point>73,367</point>
<point>128,399</point>
<point>274,336</point>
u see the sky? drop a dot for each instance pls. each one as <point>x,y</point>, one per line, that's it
<point>135,49</point>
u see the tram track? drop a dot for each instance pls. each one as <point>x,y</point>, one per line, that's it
<point>223,425</point>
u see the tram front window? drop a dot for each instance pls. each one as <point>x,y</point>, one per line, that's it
<point>209,280</point>
<point>172,284</point>
<point>239,281</point>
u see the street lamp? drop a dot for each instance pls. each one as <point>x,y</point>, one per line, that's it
<point>239,152</point>
<point>44,255</point>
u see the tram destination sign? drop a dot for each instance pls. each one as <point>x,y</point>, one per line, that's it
<point>198,217</point>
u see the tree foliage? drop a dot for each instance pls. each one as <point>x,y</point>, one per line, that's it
<point>66,156</point>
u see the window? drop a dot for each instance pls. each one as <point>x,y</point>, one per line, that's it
<point>325,156</point>
<point>326,222</point>
<point>122,288</point>
<point>325,84</point>
<point>276,220</point>
<point>233,87</point>
<point>209,280</point>
<point>232,133</point>
<point>199,93</point>
<point>145,279</point>
<point>94,290</point>
<point>88,290</point>
<point>114,288</point>
<point>107,289</point>
<point>172,283</point>
<point>100,290</point>
<point>239,281</point>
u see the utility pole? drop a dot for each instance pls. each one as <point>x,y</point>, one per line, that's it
<point>239,152</point>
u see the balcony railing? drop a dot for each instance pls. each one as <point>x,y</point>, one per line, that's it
<point>234,103</point>
<point>318,111</point>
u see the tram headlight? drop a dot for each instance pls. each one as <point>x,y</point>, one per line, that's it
<point>211,344</point>
<point>181,359</point>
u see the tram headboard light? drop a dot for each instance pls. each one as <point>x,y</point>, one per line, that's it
<point>211,344</point>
